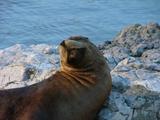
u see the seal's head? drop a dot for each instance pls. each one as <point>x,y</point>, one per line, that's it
<point>78,52</point>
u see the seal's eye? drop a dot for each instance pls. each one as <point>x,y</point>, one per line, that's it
<point>75,55</point>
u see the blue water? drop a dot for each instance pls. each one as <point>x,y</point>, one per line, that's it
<point>50,21</point>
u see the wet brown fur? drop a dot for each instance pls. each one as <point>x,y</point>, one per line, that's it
<point>76,92</point>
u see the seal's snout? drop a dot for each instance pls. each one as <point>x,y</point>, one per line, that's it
<point>62,43</point>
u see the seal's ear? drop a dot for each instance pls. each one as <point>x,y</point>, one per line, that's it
<point>75,55</point>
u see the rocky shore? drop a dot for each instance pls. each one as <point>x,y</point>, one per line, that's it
<point>134,59</point>
<point>22,65</point>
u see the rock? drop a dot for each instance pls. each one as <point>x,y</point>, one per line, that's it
<point>115,54</point>
<point>138,38</point>
<point>111,60</point>
<point>135,94</point>
<point>44,48</point>
<point>138,50</point>
<point>117,108</point>
<point>151,56</point>
<point>8,75</point>
<point>120,83</point>
<point>33,64</point>
<point>135,74</point>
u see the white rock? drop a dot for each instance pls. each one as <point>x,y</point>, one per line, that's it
<point>138,74</point>
<point>31,63</point>
<point>12,73</point>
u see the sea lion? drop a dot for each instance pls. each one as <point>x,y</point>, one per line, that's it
<point>75,92</point>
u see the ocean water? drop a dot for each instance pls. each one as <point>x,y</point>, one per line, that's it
<point>51,21</point>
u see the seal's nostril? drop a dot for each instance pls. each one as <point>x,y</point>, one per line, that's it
<point>62,43</point>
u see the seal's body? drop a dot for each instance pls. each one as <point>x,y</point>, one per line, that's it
<point>76,92</point>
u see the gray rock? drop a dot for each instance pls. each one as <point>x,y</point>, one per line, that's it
<point>153,67</point>
<point>136,80</point>
<point>117,108</point>
<point>152,56</point>
<point>138,38</point>
<point>138,103</point>
<point>137,33</point>
<point>138,50</point>
<point>120,83</point>
<point>115,54</point>
<point>112,61</point>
